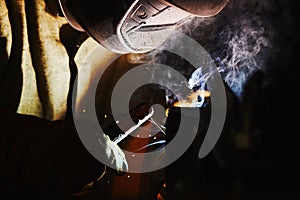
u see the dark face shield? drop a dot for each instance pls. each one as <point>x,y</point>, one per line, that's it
<point>134,26</point>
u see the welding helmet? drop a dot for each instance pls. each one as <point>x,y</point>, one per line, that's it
<point>134,26</point>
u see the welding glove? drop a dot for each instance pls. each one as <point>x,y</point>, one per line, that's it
<point>114,153</point>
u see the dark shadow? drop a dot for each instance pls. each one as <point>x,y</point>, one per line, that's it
<point>3,56</point>
<point>11,80</point>
<point>72,40</point>
<point>53,8</point>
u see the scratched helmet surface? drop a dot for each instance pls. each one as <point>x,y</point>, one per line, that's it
<point>134,26</point>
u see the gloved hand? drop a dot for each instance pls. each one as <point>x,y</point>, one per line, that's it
<point>114,153</point>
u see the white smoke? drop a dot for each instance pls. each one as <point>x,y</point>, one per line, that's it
<point>242,53</point>
<point>238,40</point>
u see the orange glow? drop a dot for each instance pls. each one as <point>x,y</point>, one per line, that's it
<point>160,197</point>
<point>192,99</point>
<point>160,194</point>
<point>167,112</point>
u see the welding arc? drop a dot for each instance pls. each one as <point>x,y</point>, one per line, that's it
<point>140,122</point>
